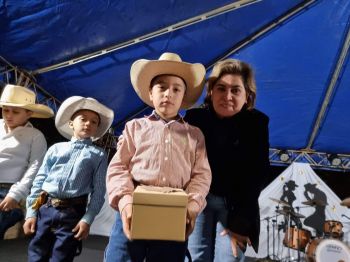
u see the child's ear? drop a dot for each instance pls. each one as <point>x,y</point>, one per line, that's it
<point>70,124</point>
<point>150,95</point>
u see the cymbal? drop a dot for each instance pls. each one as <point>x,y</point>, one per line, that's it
<point>295,214</point>
<point>282,212</point>
<point>287,212</point>
<point>281,202</point>
<point>346,202</point>
<point>314,202</point>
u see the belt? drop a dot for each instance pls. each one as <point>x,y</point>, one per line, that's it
<point>67,202</point>
<point>5,185</point>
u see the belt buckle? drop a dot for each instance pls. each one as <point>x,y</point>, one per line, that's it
<point>56,202</point>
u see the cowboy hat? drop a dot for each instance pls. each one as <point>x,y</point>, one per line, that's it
<point>76,103</point>
<point>310,186</point>
<point>19,96</point>
<point>143,71</point>
<point>291,183</point>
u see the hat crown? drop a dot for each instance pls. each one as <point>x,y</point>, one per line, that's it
<point>17,95</point>
<point>170,57</point>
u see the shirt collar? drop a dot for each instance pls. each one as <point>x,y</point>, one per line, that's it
<point>87,141</point>
<point>155,116</point>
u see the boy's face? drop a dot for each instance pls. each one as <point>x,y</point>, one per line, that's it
<point>15,116</point>
<point>84,124</point>
<point>166,94</point>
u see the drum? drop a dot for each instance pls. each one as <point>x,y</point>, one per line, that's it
<point>333,228</point>
<point>296,238</point>
<point>327,250</point>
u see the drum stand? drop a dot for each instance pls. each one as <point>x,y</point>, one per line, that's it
<point>288,232</point>
<point>274,221</point>
<point>268,237</point>
<point>273,257</point>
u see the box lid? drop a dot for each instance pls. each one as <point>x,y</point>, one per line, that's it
<point>161,196</point>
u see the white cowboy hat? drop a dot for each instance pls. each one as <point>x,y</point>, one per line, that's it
<point>143,71</point>
<point>76,103</point>
<point>19,96</point>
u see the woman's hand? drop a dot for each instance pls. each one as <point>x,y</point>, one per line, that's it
<point>237,240</point>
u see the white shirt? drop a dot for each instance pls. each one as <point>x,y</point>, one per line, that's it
<point>21,153</point>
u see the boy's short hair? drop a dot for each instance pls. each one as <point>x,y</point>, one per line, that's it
<point>143,71</point>
<point>154,79</point>
<point>76,113</point>
<point>72,105</point>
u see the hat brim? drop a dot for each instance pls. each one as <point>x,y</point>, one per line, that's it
<point>76,103</point>
<point>143,71</point>
<point>39,110</point>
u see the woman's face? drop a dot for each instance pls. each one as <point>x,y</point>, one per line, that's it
<point>228,95</point>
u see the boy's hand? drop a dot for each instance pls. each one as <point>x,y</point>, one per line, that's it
<point>126,219</point>
<point>83,230</point>
<point>8,204</point>
<point>29,226</point>
<point>190,222</point>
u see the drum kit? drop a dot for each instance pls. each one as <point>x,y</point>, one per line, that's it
<point>326,248</point>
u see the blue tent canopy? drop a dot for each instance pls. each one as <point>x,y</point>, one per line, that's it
<point>299,50</point>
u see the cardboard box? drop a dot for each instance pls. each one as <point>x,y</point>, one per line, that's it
<point>159,213</point>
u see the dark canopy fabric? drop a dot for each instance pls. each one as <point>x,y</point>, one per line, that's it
<point>299,50</point>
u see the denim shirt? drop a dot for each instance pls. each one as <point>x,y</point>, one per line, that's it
<point>72,169</point>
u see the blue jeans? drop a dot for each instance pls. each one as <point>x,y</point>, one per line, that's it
<point>205,242</point>
<point>54,239</point>
<point>120,249</point>
<point>9,218</point>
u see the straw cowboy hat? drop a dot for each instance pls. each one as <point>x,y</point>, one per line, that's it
<point>19,96</point>
<point>143,71</point>
<point>76,103</point>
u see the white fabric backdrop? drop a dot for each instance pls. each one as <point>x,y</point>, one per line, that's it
<point>103,222</point>
<point>301,174</point>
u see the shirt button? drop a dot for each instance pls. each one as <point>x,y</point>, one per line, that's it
<point>166,141</point>
<point>166,158</point>
<point>164,179</point>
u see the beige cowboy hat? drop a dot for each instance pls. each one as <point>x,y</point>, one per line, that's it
<point>143,71</point>
<point>19,96</point>
<point>76,103</point>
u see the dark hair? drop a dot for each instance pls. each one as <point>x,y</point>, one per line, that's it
<point>77,113</point>
<point>157,76</point>
<point>233,67</point>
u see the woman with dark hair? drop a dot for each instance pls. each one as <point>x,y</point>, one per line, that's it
<point>237,142</point>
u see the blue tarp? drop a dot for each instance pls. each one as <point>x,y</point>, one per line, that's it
<point>296,47</point>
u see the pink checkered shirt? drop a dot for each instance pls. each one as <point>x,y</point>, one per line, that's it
<point>158,153</point>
